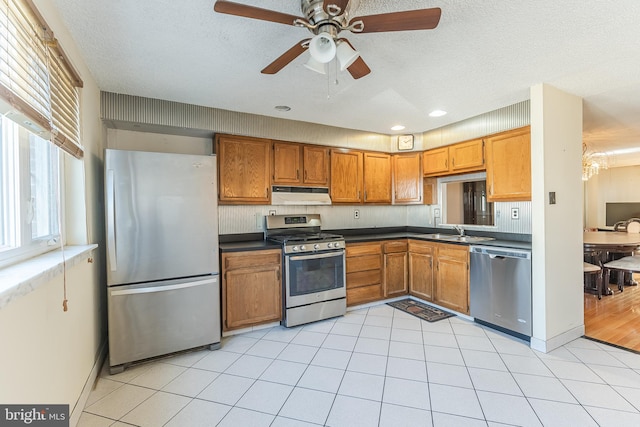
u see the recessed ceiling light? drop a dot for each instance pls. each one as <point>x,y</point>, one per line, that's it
<point>437,113</point>
<point>397,127</point>
<point>283,108</point>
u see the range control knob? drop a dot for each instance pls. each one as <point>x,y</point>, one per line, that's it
<point>303,248</point>
<point>294,249</point>
<point>316,246</point>
<point>329,244</point>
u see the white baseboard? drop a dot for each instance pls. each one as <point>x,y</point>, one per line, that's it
<point>74,417</point>
<point>551,344</point>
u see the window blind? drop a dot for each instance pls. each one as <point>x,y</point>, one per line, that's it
<point>37,83</point>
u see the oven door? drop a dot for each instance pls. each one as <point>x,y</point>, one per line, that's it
<point>314,278</point>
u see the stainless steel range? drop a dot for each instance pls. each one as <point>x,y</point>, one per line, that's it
<point>314,266</point>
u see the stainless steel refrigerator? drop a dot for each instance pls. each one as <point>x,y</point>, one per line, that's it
<point>162,254</point>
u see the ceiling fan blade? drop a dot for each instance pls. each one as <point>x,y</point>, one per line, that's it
<point>421,19</point>
<point>340,4</point>
<point>359,68</point>
<point>284,59</point>
<point>247,11</point>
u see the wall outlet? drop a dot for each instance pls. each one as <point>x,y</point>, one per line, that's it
<point>356,214</point>
<point>272,212</point>
<point>515,213</point>
<point>436,213</point>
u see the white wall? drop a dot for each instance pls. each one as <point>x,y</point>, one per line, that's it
<point>46,354</point>
<point>147,141</point>
<point>610,185</point>
<point>556,147</point>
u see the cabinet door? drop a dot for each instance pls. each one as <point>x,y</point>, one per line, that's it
<point>466,156</point>
<point>346,176</point>
<point>430,191</point>
<point>253,296</point>
<point>435,162</point>
<point>286,163</point>
<point>407,178</point>
<point>316,165</point>
<point>509,166</point>
<point>251,288</point>
<point>421,275</point>
<point>244,167</point>
<point>452,278</point>
<point>377,178</point>
<point>395,268</point>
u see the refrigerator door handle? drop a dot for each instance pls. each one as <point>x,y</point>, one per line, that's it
<point>161,288</point>
<point>111,220</point>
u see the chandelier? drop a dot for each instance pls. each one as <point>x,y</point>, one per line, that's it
<point>593,162</point>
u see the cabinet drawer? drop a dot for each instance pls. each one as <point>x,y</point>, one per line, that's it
<point>400,246</point>
<point>251,259</point>
<point>419,247</point>
<point>363,263</point>
<point>458,253</point>
<point>363,278</point>
<point>364,294</point>
<point>363,249</point>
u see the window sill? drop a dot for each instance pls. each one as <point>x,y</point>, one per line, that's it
<point>27,276</point>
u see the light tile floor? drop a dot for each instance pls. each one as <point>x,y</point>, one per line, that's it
<point>375,367</point>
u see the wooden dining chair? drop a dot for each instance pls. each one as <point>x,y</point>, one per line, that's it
<point>589,271</point>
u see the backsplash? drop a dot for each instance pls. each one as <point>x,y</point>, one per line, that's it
<point>238,219</point>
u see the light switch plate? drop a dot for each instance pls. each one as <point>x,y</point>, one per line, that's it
<point>552,197</point>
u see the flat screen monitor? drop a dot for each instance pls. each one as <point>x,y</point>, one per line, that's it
<point>621,212</point>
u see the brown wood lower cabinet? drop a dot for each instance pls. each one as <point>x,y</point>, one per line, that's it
<point>452,277</point>
<point>421,269</point>
<point>364,272</point>
<point>251,288</point>
<point>395,268</point>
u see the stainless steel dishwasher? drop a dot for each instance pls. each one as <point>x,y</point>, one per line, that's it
<point>500,288</point>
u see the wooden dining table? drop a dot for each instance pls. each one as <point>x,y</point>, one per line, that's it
<point>599,246</point>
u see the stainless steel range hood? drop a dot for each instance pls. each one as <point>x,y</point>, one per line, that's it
<point>282,195</point>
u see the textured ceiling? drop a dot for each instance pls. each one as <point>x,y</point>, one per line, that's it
<point>482,56</point>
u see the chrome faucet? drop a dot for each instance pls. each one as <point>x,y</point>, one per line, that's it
<point>459,229</point>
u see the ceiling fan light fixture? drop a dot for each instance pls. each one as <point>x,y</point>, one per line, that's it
<point>316,66</point>
<point>322,48</point>
<point>346,54</point>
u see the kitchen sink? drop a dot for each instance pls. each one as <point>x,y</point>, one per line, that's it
<point>456,238</point>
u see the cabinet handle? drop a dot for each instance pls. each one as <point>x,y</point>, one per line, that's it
<point>365,195</point>
<point>298,174</point>
<point>305,175</point>
<point>358,194</point>
<point>453,162</point>
<point>446,163</point>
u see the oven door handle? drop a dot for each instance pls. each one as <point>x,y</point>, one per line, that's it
<point>316,256</point>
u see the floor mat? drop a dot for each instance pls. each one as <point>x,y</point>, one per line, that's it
<point>421,310</point>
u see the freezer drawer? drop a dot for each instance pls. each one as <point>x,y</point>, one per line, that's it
<point>157,318</point>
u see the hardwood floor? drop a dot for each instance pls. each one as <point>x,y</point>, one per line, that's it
<point>615,318</point>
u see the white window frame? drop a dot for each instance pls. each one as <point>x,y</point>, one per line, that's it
<point>15,197</point>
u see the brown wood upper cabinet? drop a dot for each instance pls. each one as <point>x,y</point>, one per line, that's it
<point>346,176</point>
<point>244,169</point>
<point>299,164</point>
<point>462,157</point>
<point>466,156</point>
<point>377,178</point>
<point>436,162</point>
<point>509,166</point>
<point>407,178</point>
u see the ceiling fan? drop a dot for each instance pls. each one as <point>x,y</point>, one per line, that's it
<point>326,19</point>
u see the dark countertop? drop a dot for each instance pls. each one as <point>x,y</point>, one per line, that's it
<point>368,235</point>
